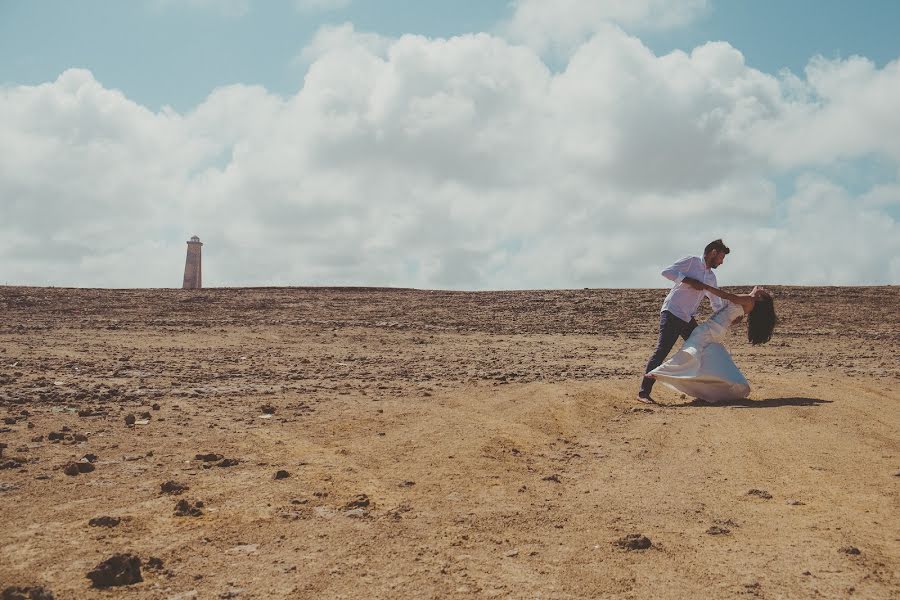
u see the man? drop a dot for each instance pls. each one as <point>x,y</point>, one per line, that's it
<point>676,317</point>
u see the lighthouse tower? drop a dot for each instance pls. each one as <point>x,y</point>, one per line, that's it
<point>193,279</point>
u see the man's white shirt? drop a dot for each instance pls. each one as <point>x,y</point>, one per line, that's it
<point>683,301</point>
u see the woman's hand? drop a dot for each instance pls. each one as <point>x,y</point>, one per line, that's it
<point>760,292</point>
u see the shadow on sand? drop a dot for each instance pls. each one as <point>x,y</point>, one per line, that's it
<point>767,403</point>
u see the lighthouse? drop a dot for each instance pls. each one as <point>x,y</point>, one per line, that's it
<point>193,279</point>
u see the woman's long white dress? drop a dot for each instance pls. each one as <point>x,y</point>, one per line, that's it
<point>703,368</point>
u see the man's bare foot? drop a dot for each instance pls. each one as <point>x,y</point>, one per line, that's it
<point>645,398</point>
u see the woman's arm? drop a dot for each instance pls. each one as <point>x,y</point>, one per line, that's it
<point>745,300</point>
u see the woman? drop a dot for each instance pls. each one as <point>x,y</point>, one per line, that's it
<point>703,367</point>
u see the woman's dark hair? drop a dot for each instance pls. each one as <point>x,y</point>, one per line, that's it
<point>761,321</point>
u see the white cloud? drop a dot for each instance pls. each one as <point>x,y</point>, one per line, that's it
<point>846,109</point>
<point>460,163</point>
<point>564,24</point>
<point>337,40</point>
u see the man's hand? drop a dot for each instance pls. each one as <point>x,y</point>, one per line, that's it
<point>692,282</point>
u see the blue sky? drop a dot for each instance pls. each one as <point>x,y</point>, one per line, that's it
<point>505,144</point>
<point>176,54</point>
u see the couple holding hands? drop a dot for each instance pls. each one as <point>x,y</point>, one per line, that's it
<point>703,367</point>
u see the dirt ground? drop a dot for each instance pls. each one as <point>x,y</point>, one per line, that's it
<point>440,445</point>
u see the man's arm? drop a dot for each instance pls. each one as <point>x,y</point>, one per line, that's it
<point>715,302</point>
<point>745,300</point>
<point>678,271</point>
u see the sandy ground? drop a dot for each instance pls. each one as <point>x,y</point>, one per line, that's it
<point>441,445</point>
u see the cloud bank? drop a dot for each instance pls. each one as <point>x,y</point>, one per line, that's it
<point>461,163</point>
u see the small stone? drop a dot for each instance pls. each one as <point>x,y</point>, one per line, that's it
<point>227,462</point>
<point>71,469</point>
<point>716,530</point>
<point>282,474</point>
<point>355,513</point>
<point>267,409</point>
<point>130,419</point>
<point>80,437</point>
<point>119,569</point>
<point>37,438</point>
<point>760,494</point>
<point>634,541</point>
<point>795,503</point>
<point>852,550</point>
<point>511,553</point>
<point>155,407</point>
<point>104,521</point>
<point>554,478</point>
<point>89,458</point>
<point>406,483</point>
<point>154,564</point>
<point>55,436</point>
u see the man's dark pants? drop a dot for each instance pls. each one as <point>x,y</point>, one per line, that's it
<point>670,327</point>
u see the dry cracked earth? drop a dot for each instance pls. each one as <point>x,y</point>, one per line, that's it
<point>389,443</point>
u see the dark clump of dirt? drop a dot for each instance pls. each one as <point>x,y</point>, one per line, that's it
<point>189,509</point>
<point>74,468</point>
<point>760,494</point>
<point>634,541</point>
<point>360,501</point>
<point>119,569</point>
<point>172,488</point>
<point>210,457</point>
<point>282,474</point>
<point>104,521</point>
<point>852,550</point>
<point>12,463</point>
<point>26,593</point>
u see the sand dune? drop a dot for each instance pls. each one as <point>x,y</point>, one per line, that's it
<point>440,445</point>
